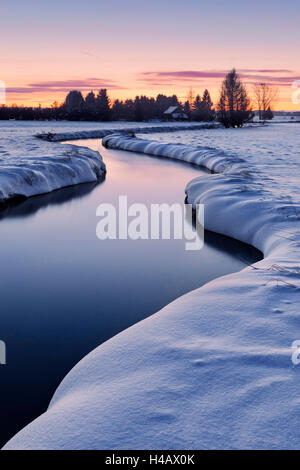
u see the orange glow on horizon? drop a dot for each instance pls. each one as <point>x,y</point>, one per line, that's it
<point>148,48</point>
<point>283,102</point>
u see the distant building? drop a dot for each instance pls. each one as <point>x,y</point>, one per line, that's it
<point>175,113</point>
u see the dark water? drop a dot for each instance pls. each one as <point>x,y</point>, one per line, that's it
<point>63,292</point>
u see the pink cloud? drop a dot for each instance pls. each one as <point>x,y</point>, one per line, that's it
<point>88,82</point>
<point>261,75</point>
<point>66,85</point>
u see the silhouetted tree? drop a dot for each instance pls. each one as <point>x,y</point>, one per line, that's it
<point>197,109</point>
<point>187,109</point>
<point>202,109</point>
<point>138,111</point>
<point>162,103</point>
<point>268,114</point>
<point>264,95</point>
<point>190,96</point>
<point>103,106</point>
<point>129,110</point>
<point>118,111</point>
<point>174,101</point>
<point>234,105</point>
<point>74,104</point>
<point>90,106</point>
<point>75,107</point>
<point>207,107</point>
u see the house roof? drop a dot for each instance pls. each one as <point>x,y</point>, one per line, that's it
<point>170,109</point>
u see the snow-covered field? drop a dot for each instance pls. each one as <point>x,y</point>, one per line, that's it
<point>284,118</point>
<point>214,368</point>
<point>30,166</point>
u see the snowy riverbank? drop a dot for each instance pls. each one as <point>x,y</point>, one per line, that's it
<point>31,166</point>
<point>145,128</point>
<point>212,369</point>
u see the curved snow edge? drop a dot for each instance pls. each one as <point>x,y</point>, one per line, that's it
<point>99,133</point>
<point>211,158</point>
<point>40,174</point>
<point>234,183</point>
<point>212,369</point>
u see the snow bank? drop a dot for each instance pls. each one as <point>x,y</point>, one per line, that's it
<point>211,158</point>
<point>32,167</point>
<point>145,128</point>
<point>29,167</point>
<point>213,369</point>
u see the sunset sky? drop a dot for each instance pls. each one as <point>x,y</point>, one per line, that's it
<point>133,47</point>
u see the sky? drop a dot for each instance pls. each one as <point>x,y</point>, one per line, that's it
<point>133,47</point>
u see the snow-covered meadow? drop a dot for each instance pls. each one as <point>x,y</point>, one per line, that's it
<point>214,368</point>
<point>31,166</point>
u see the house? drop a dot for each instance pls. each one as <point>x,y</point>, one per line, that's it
<point>175,113</point>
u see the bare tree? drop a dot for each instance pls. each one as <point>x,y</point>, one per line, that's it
<point>190,96</point>
<point>264,97</point>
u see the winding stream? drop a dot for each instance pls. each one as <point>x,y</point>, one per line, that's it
<point>63,291</point>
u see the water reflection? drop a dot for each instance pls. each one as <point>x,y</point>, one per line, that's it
<point>63,292</point>
<point>24,207</point>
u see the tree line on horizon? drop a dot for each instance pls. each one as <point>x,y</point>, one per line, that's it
<point>100,108</point>
<point>232,110</point>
